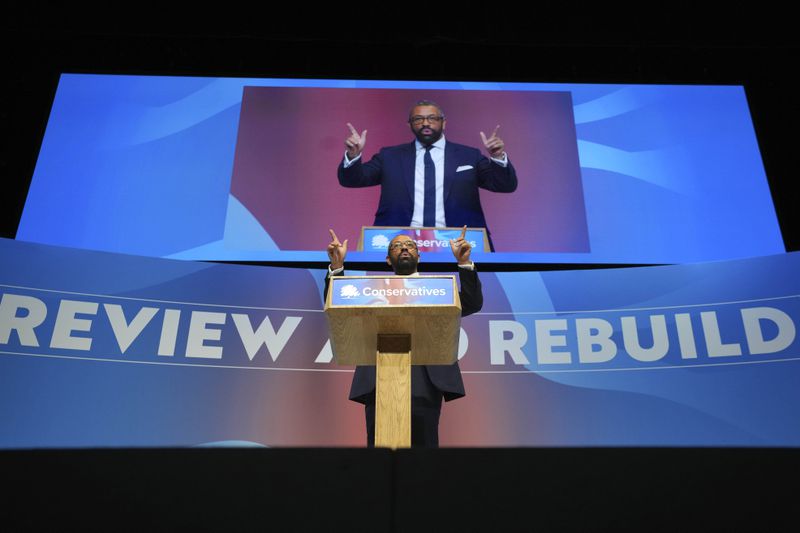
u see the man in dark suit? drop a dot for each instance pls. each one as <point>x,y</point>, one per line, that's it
<point>429,182</point>
<point>429,384</point>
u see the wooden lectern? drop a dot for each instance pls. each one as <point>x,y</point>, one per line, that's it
<point>393,322</point>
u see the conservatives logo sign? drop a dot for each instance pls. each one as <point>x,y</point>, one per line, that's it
<point>393,290</point>
<point>426,240</point>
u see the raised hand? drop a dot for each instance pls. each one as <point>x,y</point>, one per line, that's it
<point>461,248</point>
<point>494,144</point>
<point>355,142</point>
<point>336,251</point>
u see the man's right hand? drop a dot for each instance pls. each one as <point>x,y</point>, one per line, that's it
<point>336,251</point>
<point>461,248</point>
<point>355,143</point>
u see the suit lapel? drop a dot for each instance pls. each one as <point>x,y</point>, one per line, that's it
<point>450,162</point>
<point>409,163</point>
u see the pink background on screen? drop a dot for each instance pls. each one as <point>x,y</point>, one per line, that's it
<point>291,141</point>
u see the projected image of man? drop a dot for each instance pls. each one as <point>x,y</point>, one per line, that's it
<point>431,182</point>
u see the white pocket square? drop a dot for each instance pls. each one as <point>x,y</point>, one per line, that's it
<point>463,167</point>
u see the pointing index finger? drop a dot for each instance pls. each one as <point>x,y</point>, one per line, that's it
<point>463,232</point>
<point>333,236</point>
<point>494,133</point>
<point>352,129</point>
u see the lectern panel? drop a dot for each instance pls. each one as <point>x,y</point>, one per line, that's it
<point>426,307</point>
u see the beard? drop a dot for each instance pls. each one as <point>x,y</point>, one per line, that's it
<point>427,139</point>
<point>404,265</point>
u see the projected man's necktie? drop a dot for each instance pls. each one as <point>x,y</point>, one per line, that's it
<point>429,212</point>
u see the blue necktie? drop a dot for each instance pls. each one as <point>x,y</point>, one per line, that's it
<point>429,212</point>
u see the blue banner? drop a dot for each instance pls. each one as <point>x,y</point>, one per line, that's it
<point>103,349</point>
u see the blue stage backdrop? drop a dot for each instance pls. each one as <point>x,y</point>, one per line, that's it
<point>103,349</point>
<point>245,169</point>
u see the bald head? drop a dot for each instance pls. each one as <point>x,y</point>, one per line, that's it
<point>403,255</point>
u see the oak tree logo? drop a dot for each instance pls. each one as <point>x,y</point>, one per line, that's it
<point>349,291</point>
<point>380,241</point>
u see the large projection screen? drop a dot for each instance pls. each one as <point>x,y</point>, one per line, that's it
<point>245,169</point>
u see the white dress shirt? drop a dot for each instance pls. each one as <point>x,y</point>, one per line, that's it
<point>437,154</point>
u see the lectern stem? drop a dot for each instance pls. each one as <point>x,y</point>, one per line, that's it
<point>393,400</point>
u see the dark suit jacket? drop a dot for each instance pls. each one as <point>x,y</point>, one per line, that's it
<point>393,169</point>
<point>426,380</point>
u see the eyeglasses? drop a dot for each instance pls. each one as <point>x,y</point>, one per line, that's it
<point>403,245</point>
<point>433,119</point>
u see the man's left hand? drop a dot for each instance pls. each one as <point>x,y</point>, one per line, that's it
<point>461,248</point>
<point>494,144</point>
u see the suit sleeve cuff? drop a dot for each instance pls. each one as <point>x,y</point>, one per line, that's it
<point>470,266</point>
<point>348,162</point>
<point>503,161</point>
<point>335,272</point>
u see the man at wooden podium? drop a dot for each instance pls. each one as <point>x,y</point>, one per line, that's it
<point>429,384</point>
